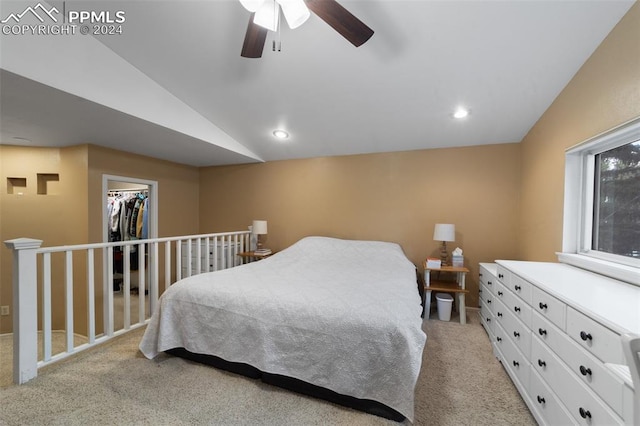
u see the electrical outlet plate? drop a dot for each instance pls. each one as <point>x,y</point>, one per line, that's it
<point>4,310</point>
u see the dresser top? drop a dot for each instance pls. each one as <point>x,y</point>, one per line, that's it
<point>613,303</point>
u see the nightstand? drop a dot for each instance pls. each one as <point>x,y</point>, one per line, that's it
<point>251,256</point>
<point>431,283</point>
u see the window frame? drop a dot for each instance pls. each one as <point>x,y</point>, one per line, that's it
<point>579,204</point>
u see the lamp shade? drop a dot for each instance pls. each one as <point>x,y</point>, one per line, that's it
<point>259,227</point>
<point>444,232</point>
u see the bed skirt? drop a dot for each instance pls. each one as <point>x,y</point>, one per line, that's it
<point>289,383</point>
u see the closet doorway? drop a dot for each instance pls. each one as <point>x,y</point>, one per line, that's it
<point>127,192</point>
<point>130,185</point>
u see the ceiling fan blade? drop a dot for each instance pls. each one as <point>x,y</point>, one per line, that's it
<point>341,20</point>
<point>253,40</point>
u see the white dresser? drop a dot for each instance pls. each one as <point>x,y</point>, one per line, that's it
<point>554,327</point>
<point>211,258</point>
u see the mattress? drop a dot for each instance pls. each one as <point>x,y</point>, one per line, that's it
<point>339,314</point>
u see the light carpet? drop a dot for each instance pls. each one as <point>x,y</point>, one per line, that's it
<point>461,383</point>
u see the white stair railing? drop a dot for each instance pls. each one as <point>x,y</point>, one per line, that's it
<point>35,277</point>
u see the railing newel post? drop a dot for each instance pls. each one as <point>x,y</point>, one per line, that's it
<point>25,308</point>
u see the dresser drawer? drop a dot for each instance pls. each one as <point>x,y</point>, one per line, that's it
<point>487,277</point>
<point>488,298</point>
<point>549,307</point>
<point>518,307</point>
<point>627,404</point>
<point>499,290</point>
<point>584,365</point>
<point>593,373</point>
<point>597,339</point>
<point>487,319</point>
<point>521,287</point>
<point>584,405</point>
<point>513,360</point>
<point>546,403</point>
<point>485,294</point>
<point>504,275</point>
<point>515,329</point>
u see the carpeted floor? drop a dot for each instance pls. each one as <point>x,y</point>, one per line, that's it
<point>461,383</point>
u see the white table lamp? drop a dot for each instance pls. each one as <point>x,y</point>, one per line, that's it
<point>444,232</point>
<point>259,228</point>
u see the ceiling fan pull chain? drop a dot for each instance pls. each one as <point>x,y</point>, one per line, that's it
<point>277,44</point>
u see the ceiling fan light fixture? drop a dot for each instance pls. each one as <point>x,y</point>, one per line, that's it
<point>268,15</point>
<point>251,5</point>
<point>295,12</point>
<point>461,113</point>
<point>280,134</point>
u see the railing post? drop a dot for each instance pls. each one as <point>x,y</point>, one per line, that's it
<point>25,308</point>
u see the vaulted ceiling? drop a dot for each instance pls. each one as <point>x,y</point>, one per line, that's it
<point>172,85</point>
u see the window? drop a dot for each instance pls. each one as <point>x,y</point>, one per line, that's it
<point>616,207</point>
<point>601,229</point>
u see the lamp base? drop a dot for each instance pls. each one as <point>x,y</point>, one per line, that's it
<point>443,254</point>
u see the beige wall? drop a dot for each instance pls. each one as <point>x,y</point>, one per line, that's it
<point>177,189</point>
<point>392,197</point>
<point>57,218</point>
<point>72,211</point>
<point>603,94</point>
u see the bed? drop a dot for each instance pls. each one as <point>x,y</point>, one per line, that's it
<point>337,318</point>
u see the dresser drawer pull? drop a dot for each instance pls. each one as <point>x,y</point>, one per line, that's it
<point>499,293</point>
<point>542,305</point>
<point>516,334</point>
<point>541,363</point>
<point>480,291</point>
<point>518,288</point>
<point>499,339</point>
<point>585,371</point>
<point>489,301</point>
<point>499,314</point>
<point>488,282</point>
<point>500,276</point>
<point>542,332</point>
<point>585,414</point>
<point>585,336</point>
<point>488,319</point>
<point>540,399</point>
<point>516,364</point>
<point>480,274</point>
<point>516,308</point>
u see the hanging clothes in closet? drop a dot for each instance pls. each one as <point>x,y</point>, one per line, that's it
<point>128,215</point>
<point>128,219</point>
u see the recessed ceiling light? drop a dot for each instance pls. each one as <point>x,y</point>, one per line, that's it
<point>461,113</point>
<point>280,134</point>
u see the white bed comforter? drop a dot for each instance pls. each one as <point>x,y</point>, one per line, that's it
<point>340,314</point>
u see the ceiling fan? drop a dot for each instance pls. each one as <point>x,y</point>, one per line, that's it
<point>265,17</point>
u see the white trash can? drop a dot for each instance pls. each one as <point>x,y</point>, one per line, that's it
<point>445,301</point>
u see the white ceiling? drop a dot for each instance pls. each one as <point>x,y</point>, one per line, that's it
<point>505,60</point>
